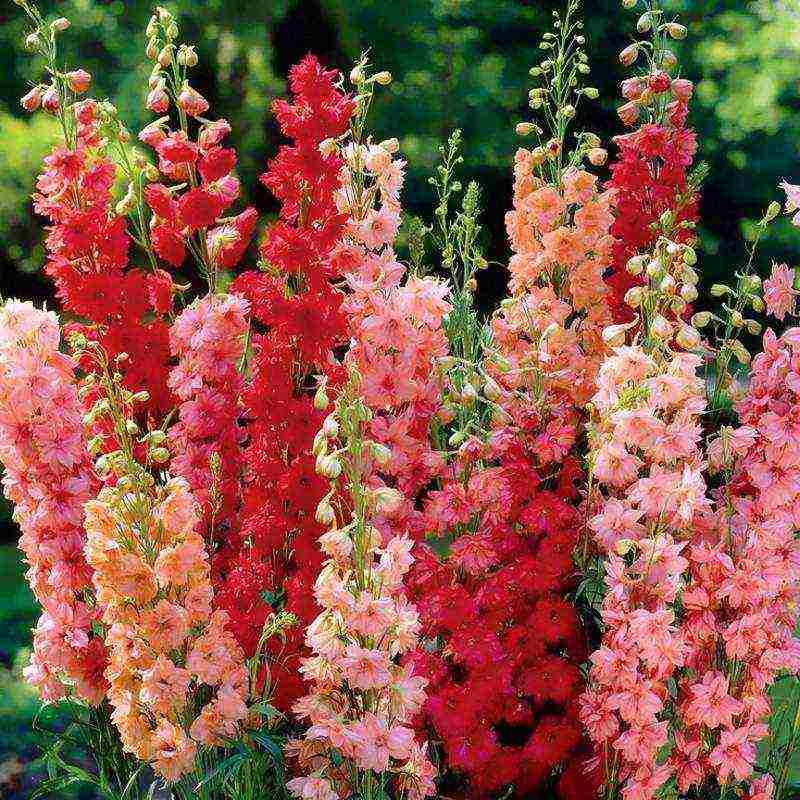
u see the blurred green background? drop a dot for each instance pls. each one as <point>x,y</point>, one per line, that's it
<point>456,63</point>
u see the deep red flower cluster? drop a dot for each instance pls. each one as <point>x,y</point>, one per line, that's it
<point>274,559</point>
<point>504,677</point>
<point>88,259</point>
<point>650,178</point>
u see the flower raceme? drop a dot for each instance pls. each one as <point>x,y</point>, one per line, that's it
<point>49,477</point>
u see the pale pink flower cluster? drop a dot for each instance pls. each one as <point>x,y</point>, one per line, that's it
<point>208,339</point>
<point>167,649</point>
<point>48,477</point>
<point>745,578</point>
<point>552,322</point>
<point>648,469</point>
<point>396,324</point>
<point>362,700</point>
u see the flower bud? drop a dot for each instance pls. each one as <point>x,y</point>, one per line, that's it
<point>719,290</point>
<point>325,515</point>
<point>701,319</point>
<point>661,327</point>
<point>654,268</point>
<point>687,338</point>
<point>32,41</point>
<point>383,78</point>
<point>597,156</point>
<point>689,257</point>
<point>387,500</point>
<point>525,128</point>
<point>591,92</point>
<point>187,56</point>
<point>192,102</point>
<point>644,23</point>
<point>628,113</point>
<point>330,427</point>
<point>689,292</point>
<point>753,327</point>
<point>159,455</point>
<point>629,55</point>
<point>158,100</point>
<point>634,296</point>
<point>381,453</point>
<point>636,265</point>
<point>667,284</point>
<point>165,55</point>
<point>60,24</point>
<point>51,102</point>
<point>736,319</point>
<point>321,399</point>
<point>757,304</point>
<point>668,59</point>
<point>624,546</point>
<point>491,390</point>
<point>79,80</point>
<point>357,76</point>
<point>614,335</point>
<point>629,4</point>
<point>32,100</point>
<point>772,211</point>
<point>329,466</point>
<point>676,30</point>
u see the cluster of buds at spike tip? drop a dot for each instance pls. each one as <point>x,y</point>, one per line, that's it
<point>661,302</point>
<point>168,82</point>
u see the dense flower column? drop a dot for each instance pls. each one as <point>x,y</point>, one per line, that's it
<point>89,236</point>
<point>297,323</point>
<point>177,677</point>
<point>362,699</point>
<point>187,217</point>
<point>48,477</point>
<point>208,339</point>
<point>652,172</point>
<point>743,584</point>
<point>652,496</point>
<point>504,671</point>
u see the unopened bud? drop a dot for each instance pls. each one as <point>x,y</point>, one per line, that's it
<point>597,156</point>
<point>634,296</point>
<point>629,55</point>
<point>187,56</point>
<point>689,256</point>
<point>591,92</point>
<point>325,515</point>
<point>753,327</point>
<point>525,128</point>
<point>687,338</point>
<point>357,76</point>
<point>159,455</point>
<point>32,100</point>
<point>661,327</point>
<point>635,266</point>
<point>79,80</point>
<point>773,210</point>
<point>383,78</point>
<point>321,399</point>
<point>689,292</point>
<point>676,30</point>
<point>614,335</point>
<point>701,319</point>
<point>327,147</point>
<point>330,427</point>
<point>719,290</point>
<point>60,24</point>
<point>165,55</point>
